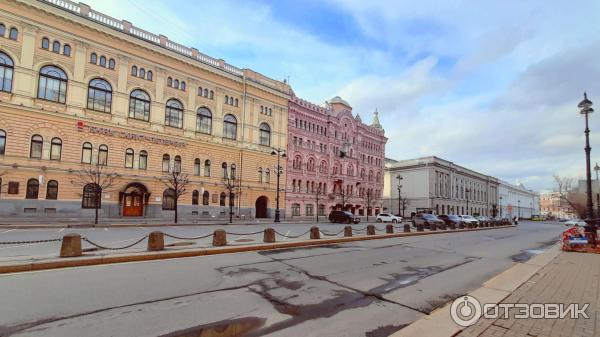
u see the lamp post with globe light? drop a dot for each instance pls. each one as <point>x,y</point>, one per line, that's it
<point>585,108</point>
<point>280,153</point>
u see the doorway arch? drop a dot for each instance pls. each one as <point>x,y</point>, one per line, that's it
<point>134,197</point>
<point>261,207</point>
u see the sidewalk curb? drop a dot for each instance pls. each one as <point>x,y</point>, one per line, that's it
<point>90,260</point>
<point>495,290</point>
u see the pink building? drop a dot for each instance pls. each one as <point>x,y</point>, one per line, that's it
<point>335,161</point>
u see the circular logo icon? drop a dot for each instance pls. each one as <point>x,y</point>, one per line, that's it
<point>465,310</point>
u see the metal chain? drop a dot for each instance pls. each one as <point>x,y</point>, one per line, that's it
<point>190,238</point>
<point>28,242</point>
<point>110,248</point>
<point>332,234</point>
<point>360,230</point>
<point>292,236</point>
<point>242,234</point>
<point>380,230</point>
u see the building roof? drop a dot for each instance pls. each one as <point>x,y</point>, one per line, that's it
<point>338,99</point>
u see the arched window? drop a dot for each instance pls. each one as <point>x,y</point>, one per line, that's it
<point>99,95</point>
<point>2,29</point>
<point>176,84</point>
<point>37,144</point>
<point>129,158</point>
<point>199,91</point>
<point>260,175</point>
<point>265,134</point>
<point>224,169</point>
<point>267,176</point>
<point>205,198</point>
<point>93,58</point>
<point>230,127</point>
<point>86,153</point>
<point>222,198</point>
<point>177,164</point>
<point>53,84</point>
<point>2,142</point>
<point>52,190</point>
<point>139,105</point>
<point>33,189</point>
<point>103,155</point>
<point>226,99</point>
<point>111,64</point>
<point>13,34</point>
<point>92,196</point>
<point>206,93</point>
<point>149,75</point>
<point>323,168</point>
<point>174,114</point>
<point>212,94</point>
<point>196,167</point>
<point>55,149</point>
<point>183,85</point>
<point>297,164</point>
<point>56,46</point>
<point>236,102</point>
<point>6,72</point>
<point>134,71</point>
<point>166,163</point>
<point>143,164</point>
<point>169,81</point>
<point>195,197</point>
<point>67,50</point>
<point>45,43</point>
<point>142,73</point>
<point>311,165</point>
<point>230,100</point>
<point>168,202</point>
<point>207,168</point>
<point>233,171</point>
<point>102,62</point>
<point>204,121</point>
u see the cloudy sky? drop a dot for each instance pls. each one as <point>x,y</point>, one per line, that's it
<point>490,85</point>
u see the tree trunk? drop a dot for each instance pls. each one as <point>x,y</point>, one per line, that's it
<point>176,199</point>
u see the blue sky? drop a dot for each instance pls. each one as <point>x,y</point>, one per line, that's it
<point>492,86</point>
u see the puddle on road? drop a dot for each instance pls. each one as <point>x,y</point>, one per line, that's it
<point>527,254</point>
<point>228,328</point>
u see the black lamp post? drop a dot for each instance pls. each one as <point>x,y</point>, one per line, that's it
<point>500,202</point>
<point>280,153</point>
<point>597,168</point>
<point>519,209</point>
<point>399,177</point>
<point>585,108</point>
<point>467,195</point>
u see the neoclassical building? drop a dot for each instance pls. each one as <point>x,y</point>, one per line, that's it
<point>335,161</point>
<point>80,89</point>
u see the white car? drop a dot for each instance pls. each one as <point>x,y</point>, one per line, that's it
<point>388,217</point>
<point>575,222</point>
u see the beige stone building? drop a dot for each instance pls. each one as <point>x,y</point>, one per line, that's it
<point>79,88</point>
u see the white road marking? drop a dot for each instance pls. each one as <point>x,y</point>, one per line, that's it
<point>61,230</point>
<point>8,231</point>
<point>105,229</point>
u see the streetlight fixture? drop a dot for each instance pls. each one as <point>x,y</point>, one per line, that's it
<point>519,209</point>
<point>399,177</point>
<point>280,153</point>
<point>597,168</point>
<point>467,195</point>
<point>585,107</point>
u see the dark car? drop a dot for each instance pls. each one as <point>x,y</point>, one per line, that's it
<point>343,217</point>
<point>451,220</point>
<point>426,220</point>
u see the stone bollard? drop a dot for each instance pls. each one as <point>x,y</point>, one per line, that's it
<point>420,227</point>
<point>406,228</point>
<point>433,227</point>
<point>219,238</point>
<point>315,234</point>
<point>389,229</point>
<point>370,230</point>
<point>348,231</point>
<point>71,245</point>
<point>269,236</point>
<point>156,241</point>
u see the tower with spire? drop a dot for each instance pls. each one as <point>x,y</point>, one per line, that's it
<point>376,124</point>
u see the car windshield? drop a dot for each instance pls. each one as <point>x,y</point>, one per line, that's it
<point>453,217</point>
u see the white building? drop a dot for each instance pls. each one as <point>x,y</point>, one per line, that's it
<point>516,200</point>
<point>437,185</point>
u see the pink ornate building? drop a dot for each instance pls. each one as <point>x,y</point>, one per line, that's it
<point>335,161</point>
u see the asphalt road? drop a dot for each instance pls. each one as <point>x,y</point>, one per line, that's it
<point>368,288</point>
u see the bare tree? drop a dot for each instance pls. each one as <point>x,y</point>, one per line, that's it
<point>368,197</point>
<point>176,183</point>
<point>2,184</point>
<point>230,184</point>
<point>343,196</point>
<point>403,203</point>
<point>575,200</point>
<point>95,179</point>
<point>317,195</point>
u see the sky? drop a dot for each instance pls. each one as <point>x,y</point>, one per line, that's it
<point>490,85</point>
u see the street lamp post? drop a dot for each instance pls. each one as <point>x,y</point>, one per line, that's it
<point>519,209</point>
<point>585,107</point>
<point>280,153</point>
<point>597,168</point>
<point>399,177</point>
<point>500,202</point>
<point>467,195</point>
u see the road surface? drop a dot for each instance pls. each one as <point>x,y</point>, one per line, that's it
<point>368,288</point>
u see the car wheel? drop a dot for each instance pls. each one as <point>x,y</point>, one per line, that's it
<point>394,221</point>
<point>379,220</point>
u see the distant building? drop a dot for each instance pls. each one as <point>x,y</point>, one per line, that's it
<point>438,185</point>
<point>553,205</point>
<point>516,200</point>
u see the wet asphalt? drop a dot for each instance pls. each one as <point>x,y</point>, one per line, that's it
<point>369,288</point>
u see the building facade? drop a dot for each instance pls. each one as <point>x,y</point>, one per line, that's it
<point>335,161</point>
<point>81,89</point>
<point>517,201</point>
<point>432,184</point>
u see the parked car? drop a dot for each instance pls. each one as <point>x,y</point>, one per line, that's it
<point>575,222</point>
<point>483,220</point>
<point>343,217</point>
<point>426,220</point>
<point>388,217</point>
<point>469,219</point>
<point>451,220</point>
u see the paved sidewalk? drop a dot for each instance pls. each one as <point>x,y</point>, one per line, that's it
<point>569,278</point>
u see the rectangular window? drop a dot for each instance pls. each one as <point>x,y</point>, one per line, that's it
<point>309,210</point>
<point>13,187</point>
